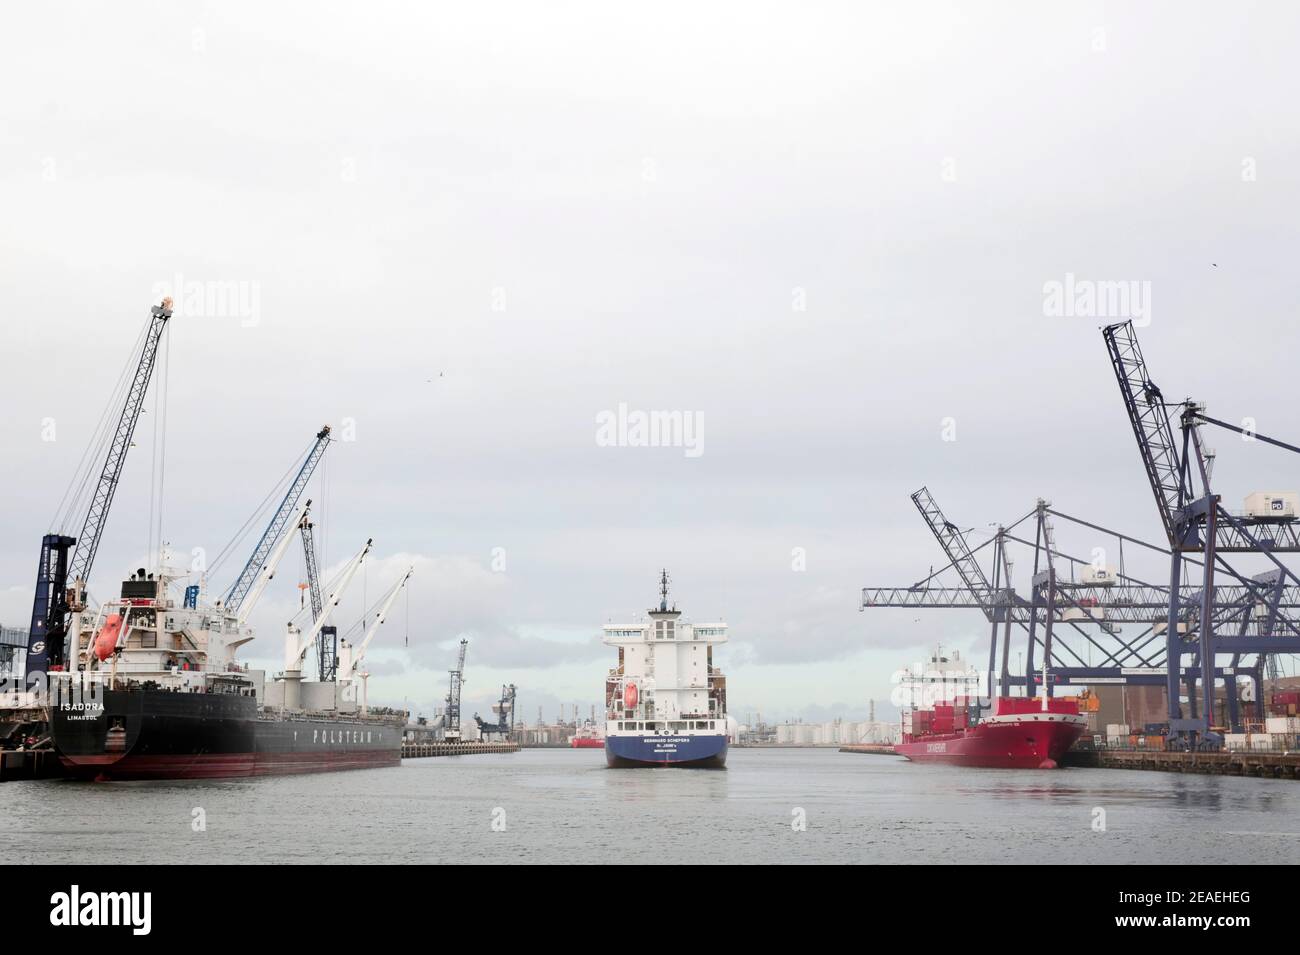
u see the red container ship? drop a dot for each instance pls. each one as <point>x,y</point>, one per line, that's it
<point>1020,734</point>
<point>587,737</point>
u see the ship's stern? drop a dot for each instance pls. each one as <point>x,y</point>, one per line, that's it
<point>695,751</point>
<point>92,732</point>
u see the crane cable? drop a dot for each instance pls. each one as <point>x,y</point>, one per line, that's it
<point>95,446</point>
<point>261,508</point>
<point>162,461</point>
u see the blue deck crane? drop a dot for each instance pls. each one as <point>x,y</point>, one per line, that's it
<point>54,599</point>
<point>248,576</point>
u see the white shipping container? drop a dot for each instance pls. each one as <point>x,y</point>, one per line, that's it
<point>1116,740</point>
<point>1264,741</point>
<point>1276,504</point>
<point>1116,729</point>
<point>1236,741</point>
<point>1100,576</point>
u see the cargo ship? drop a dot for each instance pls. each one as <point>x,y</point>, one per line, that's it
<point>1016,732</point>
<point>155,693</point>
<point>587,736</point>
<point>1020,733</point>
<point>665,702</point>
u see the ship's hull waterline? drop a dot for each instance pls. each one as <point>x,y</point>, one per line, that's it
<point>159,734</point>
<point>1023,744</point>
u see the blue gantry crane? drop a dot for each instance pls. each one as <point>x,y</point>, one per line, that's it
<point>65,562</point>
<point>1196,523</point>
<point>1225,626</point>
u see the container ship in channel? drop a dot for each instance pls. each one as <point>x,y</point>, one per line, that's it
<point>1017,733</point>
<point>665,702</point>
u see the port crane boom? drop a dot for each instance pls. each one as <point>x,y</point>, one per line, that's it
<point>352,656</point>
<point>267,570</point>
<point>47,638</point>
<point>239,590</point>
<point>296,644</point>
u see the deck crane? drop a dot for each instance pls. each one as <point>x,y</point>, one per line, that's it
<point>54,600</point>
<point>350,657</point>
<point>296,643</point>
<point>279,520</point>
<point>327,647</point>
<point>1196,522</point>
<point>266,572</point>
<point>451,716</point>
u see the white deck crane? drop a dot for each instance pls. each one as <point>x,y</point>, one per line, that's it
<point>258,586</point>
<point>267,570</point>
<point>296,644</point>
<point>350,657</point>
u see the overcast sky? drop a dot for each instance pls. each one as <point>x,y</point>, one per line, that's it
<point>464,233</point>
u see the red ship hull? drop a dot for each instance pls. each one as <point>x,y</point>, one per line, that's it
<point>586,742</point>
<point>1023,741</point>
<point>220,765</point>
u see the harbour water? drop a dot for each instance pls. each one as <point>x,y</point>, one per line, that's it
<point>550,805</point>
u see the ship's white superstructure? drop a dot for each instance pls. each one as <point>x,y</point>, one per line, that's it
<point>665,698</point>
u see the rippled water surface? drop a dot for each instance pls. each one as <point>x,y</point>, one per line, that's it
<point>565,806</point>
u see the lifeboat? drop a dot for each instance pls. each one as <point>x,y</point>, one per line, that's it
<point>106,639</point>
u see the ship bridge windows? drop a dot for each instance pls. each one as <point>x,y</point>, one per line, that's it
<point>664,629</point>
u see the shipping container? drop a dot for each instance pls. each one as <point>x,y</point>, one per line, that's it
<point>1278,505</point>
<point>1282,724</point>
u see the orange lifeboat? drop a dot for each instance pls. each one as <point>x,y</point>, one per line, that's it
<point>106,639</point>
<point>629,696</point>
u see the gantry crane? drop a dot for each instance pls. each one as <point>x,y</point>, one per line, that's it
<point>451,716</point>
<point>54,600</point>
<point>1222,627</point>
<point>1086,610</point>
<point>1196,522</point>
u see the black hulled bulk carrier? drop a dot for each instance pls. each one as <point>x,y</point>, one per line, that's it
<point>155,693</point>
